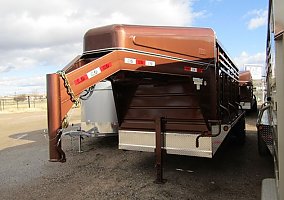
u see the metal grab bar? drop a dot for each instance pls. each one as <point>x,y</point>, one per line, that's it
<point>206,135</point>
<point>263,107</point>
<point>233,106</point>
<point>264,104</point>
<point>240,106</point>
<point>228,111</point>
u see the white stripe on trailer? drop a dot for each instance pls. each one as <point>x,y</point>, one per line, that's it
<point>193,69</point>
<point>134,61</point>
<point>150,63</point>
<point>94,72</point>
<point>131,61</point>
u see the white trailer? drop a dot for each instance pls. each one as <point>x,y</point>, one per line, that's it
<point>271,117</point>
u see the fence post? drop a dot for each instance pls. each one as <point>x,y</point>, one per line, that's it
<point>29,102</point>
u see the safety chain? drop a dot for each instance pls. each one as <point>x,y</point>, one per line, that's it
<point>65,122</point>
<point>69,89</point>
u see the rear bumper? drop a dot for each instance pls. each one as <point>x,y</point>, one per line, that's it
<point>175,143</point>
<point>246,105</point>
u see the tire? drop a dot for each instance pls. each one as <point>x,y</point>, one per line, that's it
<point>262,148</point>
<point>254,107</point>
<point>239,132</point>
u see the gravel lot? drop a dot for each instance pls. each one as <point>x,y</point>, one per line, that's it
<point>104,172</point>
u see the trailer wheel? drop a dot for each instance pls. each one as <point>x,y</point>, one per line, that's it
<point>254,107</point>
<point>262,148</point>
<point>239,132</point>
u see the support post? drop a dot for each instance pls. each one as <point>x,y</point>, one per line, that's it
<point>54,118</point>
<point>29,103</point>
<point>159,124</point>
<point>80,142</point>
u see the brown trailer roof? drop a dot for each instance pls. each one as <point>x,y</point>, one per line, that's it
<point>169,41</point>
<point>245,78</point>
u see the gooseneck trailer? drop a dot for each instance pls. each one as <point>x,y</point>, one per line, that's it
<point>175,89</point>
<point>247,98</point>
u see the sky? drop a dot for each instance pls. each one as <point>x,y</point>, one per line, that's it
<point>41,37</point>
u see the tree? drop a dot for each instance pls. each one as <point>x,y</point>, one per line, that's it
<point>21,97</point>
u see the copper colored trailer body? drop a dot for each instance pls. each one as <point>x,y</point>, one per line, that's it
<point>179,74</point>
<point>247,99</point>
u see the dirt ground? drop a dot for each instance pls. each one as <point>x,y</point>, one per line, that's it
<point>104,172</point>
